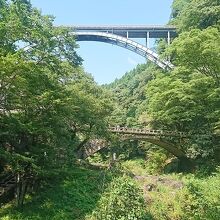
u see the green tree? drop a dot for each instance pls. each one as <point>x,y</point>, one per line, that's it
<point>198,51</point>
<point>185,101</point>
<point>196,14</point>
<point>122,200</point>
<point>129,93</point>
<point>177,7</point>
<point>48,105</point>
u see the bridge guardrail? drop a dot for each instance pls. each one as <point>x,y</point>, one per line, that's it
<point>126,130</point>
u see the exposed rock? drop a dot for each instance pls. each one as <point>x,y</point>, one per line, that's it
<point>159,180</point>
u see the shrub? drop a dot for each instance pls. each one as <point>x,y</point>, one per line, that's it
<point>121,201</point>
<point>156,161</point>
<point>205,198</point>
<point>198,200</point>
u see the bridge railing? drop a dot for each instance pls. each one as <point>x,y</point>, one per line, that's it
<point>126,130</point>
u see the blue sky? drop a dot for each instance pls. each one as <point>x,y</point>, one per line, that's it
<point>104,61</point>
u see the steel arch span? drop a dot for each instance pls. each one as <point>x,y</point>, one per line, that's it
<point>125,43</point>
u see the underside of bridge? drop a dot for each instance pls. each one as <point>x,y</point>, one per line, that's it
<point>96,145</point>
<point>125,43</point>
<point>185,164</point>
<point>170,147</point>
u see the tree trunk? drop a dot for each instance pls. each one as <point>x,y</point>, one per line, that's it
<point>21,189</point>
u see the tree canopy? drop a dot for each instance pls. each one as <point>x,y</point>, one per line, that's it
<point>48,103</point>
<point>200,14</point>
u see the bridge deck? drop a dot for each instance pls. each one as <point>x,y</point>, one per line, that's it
<point>131,31</point>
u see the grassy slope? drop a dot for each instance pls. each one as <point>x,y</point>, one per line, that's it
<point>73,194</point>
<point>178,196</point>
<point>70,194</point>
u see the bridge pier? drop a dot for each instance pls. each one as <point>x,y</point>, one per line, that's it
<point>168,38</point>
<point>114,156</point>
<point>148,40</point>
<point>113,159</point>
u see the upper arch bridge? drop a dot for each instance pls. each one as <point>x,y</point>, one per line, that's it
<point>121,35</point>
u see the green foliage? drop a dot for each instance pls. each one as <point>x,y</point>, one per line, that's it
<point>179,101</point>
<point>156,161</point>
<point>67,194</point>
<point>167,204</point>
<point>198,51</point>
<point>77,193</point>
<point>129,92</point>
<point>48,105</point>
<point>203,198</point>
<point>135,166</point>
<point>121,201</point>
<point>196,14</point>
<point>178,6</point>
<point>153,163</point>
<point>197,199</point>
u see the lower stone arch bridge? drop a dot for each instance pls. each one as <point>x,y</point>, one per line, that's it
<point>157,137</point>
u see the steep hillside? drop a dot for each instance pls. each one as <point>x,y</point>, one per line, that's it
<point>130,95</point>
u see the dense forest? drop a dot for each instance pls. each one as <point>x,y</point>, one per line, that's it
<point>50,109</point>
